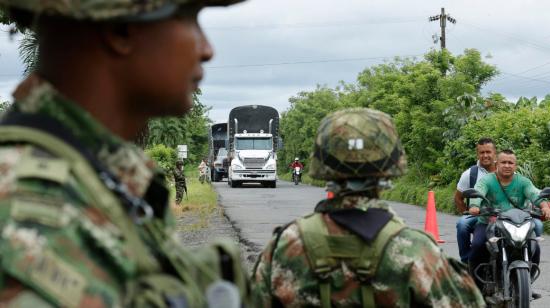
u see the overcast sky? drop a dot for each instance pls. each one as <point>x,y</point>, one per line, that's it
<point>268,51</point>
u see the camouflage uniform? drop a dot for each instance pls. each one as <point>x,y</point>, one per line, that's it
<point>411,269</point>
<point>180,183</point>
<point>69,234</point>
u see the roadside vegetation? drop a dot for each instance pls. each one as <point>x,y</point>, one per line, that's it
<point>201,202</point>
<point>440,111</point>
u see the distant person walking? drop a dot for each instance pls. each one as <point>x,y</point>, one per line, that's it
<point>180,182</point>
<point>203,168</point>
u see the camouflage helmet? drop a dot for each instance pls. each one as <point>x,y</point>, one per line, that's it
<point>357,143</point>
<point>110,10</point>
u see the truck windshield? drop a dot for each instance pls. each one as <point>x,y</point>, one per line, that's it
<point>253,144</point>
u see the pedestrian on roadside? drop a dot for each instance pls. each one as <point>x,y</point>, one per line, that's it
<point>85,218</point>
<point>203,171</point>
<point>486,163</point>
<point>354,251</point>
<point>179,182</point>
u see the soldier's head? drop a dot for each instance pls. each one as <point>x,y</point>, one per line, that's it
<point>356,151</point>
<point>151,50</point>
<point>179,164</point>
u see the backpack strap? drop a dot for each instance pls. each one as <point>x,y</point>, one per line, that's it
<point>325,252</point>
<point>473,175</point>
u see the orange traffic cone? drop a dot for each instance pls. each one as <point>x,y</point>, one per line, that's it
<point>430,225</point>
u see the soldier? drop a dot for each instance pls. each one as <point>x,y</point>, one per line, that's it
<point>179,181</point>
<point>354,251</point>
<point>84,214</point>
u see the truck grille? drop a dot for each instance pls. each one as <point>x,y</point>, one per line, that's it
<point>254,163</point>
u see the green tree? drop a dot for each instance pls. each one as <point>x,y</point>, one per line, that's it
<point>190,129</point>
<point>300,121</point>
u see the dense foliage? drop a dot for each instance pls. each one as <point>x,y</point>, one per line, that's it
<point>190,129</point>
<point>163,155</point>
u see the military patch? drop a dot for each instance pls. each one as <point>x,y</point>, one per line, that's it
<point>58,278</point>
<point>55,170</point>
<point>46,214</point>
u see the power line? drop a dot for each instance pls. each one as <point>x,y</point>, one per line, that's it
<point>310,62</point>
<point>510,36</point>
<point>312,25</point>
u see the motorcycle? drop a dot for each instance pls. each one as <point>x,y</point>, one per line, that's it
<point>297,175</point>
<point>511,241</point>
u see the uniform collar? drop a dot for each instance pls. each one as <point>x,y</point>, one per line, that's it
<point>123,159</point>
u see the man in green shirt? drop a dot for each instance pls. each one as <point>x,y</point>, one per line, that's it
<point>506,190</point>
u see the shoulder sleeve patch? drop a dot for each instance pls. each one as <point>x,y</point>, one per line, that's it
<point>53,215</point>
<point>55,170</point>
<point>26,256</point>
<point>58,279</point>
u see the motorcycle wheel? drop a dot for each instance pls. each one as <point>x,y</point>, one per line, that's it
<point>520,288</point>
<point>296,180</point>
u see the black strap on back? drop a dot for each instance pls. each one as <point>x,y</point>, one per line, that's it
<point>473,175</point>
<point>138,208</point>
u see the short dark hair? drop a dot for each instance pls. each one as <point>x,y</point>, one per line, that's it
<point>507,151</point>
<point>485,140</point>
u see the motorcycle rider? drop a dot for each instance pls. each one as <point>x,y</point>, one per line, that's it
<point>505,190</point>
<point>294,164</point>
<point>486,159</point>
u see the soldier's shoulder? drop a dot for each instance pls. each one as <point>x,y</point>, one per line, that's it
<point>50,239</point>
<point>410,245</point>
<point>27,167</point>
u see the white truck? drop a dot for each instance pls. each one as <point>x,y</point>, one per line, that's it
<point>253,136</point>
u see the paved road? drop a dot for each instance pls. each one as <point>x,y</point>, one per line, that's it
<point>255,211</point>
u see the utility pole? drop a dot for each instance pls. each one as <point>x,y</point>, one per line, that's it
<point>443,18</point>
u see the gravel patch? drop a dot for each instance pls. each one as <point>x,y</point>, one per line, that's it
<point>217,226</point>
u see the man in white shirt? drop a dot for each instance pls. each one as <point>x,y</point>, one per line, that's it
<point>486,157</point>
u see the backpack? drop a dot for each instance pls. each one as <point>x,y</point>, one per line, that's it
<point>186,279</point>
<point>326,252</point>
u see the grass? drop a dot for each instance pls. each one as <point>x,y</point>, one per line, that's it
<point>201,202</point>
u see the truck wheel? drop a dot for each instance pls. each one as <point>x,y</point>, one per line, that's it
<point>234,184</point>
<point>274,184</point>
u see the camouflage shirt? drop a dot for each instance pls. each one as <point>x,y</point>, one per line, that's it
<point>58,246</point>
<point>413,271</point>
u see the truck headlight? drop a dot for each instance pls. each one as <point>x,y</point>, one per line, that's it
<point>237,167</point>
<point>270,166</point>
<point>518,234</point>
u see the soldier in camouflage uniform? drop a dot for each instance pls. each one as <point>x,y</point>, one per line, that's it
<point>179,181</point>
<point>84,214</point>
<point>353,251</point>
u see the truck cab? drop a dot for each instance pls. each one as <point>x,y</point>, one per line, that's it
<point>254,160</point>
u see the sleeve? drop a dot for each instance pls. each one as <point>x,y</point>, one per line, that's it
<point>464,181</point>
<point>481,186</point>
<point>531,192</point>
<point>261,277</point>
<point>436,280</point>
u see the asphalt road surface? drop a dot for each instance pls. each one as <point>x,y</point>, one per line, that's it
<point>255,211</point>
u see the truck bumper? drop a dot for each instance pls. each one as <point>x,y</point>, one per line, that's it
<point>254,176</point>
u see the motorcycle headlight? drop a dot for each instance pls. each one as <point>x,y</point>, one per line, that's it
<point>518,234</point>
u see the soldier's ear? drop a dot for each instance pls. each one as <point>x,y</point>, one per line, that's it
<point>118,38</point>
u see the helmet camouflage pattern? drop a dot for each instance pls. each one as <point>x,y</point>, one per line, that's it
<point>357,143</point>
<point>105,10</point>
